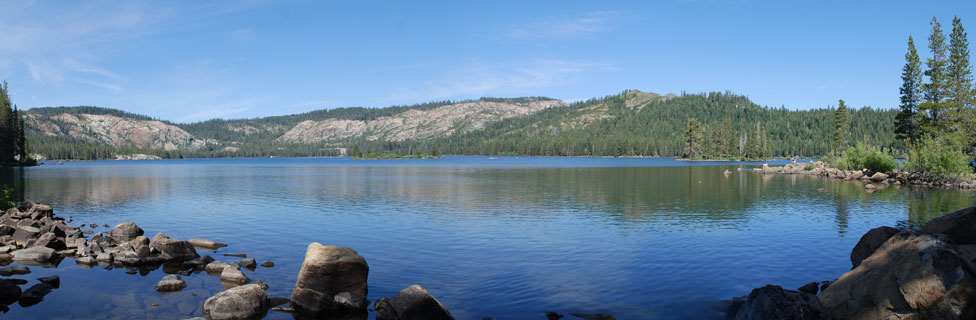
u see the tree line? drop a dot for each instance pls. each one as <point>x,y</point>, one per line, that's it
<point>13,142</point>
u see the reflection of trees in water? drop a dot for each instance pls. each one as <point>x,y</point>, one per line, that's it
<point>14,178</point>
<point>926,204</point>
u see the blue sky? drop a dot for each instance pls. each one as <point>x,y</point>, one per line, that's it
<point>196,60</point>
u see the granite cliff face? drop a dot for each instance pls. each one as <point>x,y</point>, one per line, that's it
<point>116,131</point>
<point>415,124</point>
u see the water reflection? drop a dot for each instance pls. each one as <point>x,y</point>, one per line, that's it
<point>509,241</point>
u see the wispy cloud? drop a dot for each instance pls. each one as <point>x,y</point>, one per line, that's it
<point>584,25</point>
<point>495,79</point>
<point>35,72</point>
<point>105,85</point>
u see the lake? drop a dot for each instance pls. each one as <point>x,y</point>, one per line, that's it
<point>509,238</point>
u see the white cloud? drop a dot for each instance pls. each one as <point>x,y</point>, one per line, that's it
<point>584,25</point>
<point>35,72</point>
<point>105,85</point>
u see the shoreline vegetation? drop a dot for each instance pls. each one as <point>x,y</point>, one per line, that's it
<point>875,180</point>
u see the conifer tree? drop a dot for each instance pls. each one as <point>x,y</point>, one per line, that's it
<point>959,80</point>
<point>842,123</point>
<point>693,139</point>
<point>935,89</point>
<point>906,122</point>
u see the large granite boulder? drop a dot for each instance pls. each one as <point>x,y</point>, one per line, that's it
<point>332,282</point>
<point>171,249</point>
<point>870,241</point>
<point>913,275</point>
<point>25,233</point>
<point>125,231</point>
<point>412,303</point>
<point>237,303</point>
<point>35,254</point>
<point>773,302</point>
<point>960,226</point>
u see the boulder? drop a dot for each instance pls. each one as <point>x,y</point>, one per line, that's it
<point>35,294</point>
<point>9,292</point>
<point>170,283</point>
<point>54,281</point>
<point>216,267</point>
<point>35,254</point>
<point>238,303</point>
<point>12,270</point>
<point>268,264</point>
<point>593,316</point>
<point>412,303</point>
<point>37,210</point>
<point>913,275</point>
<point>249,263</point>
<point>206,244</point>
<point>50,240</point>
<point>24,234</point>
<point>870,241</point>
<point>171,249</point>
<point>125,231</point>
<point>960,226</point>
<point>232,274</point>
<point>879,177</point>
<point>86,261</point>
<point>773,302</point>
<point>332,281</point>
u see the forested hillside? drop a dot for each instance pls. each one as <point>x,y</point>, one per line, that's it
<point>632,123</point>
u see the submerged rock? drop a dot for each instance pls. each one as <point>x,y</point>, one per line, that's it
<point>12,270</point>
<point>268,264</point>
<point>216,267</point>
<point>35,294</point>
<point>238,303</point>
<point>412,303</point>
<point>870,241</point>
<point>332,281</point>
<point>206,244</point>
<point>912,275</point>
<point>773,302</point>
<point>593,316</point>
<point>54,281</point>
<point>170,283</point>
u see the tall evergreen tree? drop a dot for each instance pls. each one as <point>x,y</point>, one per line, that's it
<point>7,136</point>
<point>959,80</point>
<point>842,123</point>
<point>906,122</point>
<point>935,89</point>
<point>694,139</point>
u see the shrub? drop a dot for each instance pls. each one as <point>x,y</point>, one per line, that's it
<point>809,167</point>
<point>864,156</point>
<point>940,158</point>
<point>6,198</point>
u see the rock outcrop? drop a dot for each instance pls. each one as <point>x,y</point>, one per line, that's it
<point>412,303</point>
<point>960,226</point>
<point>331,283</point>
<point>913,275</point>
<point>870,241</point>
<point>238,303</point>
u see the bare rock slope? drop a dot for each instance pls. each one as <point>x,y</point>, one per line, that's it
<point>116,131</point>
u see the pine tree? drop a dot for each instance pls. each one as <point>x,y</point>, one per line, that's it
<point>842,123</point>
<point>959,80</point>
<point>693,139</point>
<point>935,89</point>
<point>906,122</point>
<point>7,137</point>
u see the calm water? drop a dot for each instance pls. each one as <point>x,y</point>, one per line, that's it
<point>509,238</point>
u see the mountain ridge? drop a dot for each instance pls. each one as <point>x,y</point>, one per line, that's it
<point>632,123</point>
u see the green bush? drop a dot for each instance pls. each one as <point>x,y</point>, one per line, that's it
<point>864,156</point>
<point>937,157</point>
<point>7,198</point>
<point>809,167</point>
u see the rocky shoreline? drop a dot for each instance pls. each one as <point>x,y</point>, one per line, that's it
<point>895,274</point>
<point>332,281</point>
<point>874,179</point>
